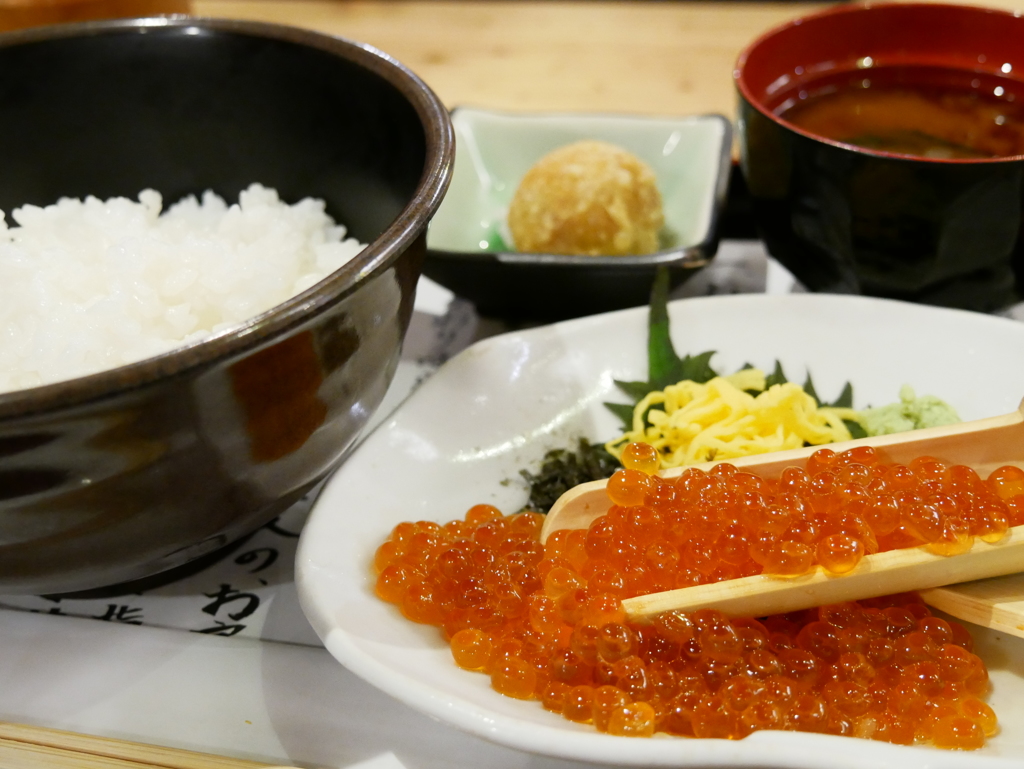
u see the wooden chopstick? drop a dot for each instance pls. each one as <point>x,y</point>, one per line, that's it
<point>35,747</point>
<point>892,571</point>
<point>997,603</point>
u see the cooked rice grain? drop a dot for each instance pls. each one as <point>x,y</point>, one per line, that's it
<point>89,285</point>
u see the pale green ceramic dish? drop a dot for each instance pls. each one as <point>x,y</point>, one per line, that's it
<point>467,238</point>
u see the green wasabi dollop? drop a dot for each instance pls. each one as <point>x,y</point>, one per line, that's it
<point>909,413</point>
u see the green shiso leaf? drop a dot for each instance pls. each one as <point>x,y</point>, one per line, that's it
<point>845,399</point>
<point>665,367</point>
<point>624,411</point>
<point>856,431</point>
<point>778,376</point>
<point>635,390</point>
<point>697,368</point>
<point>809,388</point>
<point>662,361</point>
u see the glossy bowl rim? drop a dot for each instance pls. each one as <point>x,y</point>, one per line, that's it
<point>858,8</point>
<point>378,255</point>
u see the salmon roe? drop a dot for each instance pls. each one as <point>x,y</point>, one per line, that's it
<point>545,622</point>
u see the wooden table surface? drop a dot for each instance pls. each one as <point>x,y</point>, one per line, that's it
<point>669,58</point>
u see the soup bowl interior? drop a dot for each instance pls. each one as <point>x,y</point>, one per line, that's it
<point>133,471</point>
<point>862,38</point>
<point>870,219</point>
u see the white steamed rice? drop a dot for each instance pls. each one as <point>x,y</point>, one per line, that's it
<point>89,285</point>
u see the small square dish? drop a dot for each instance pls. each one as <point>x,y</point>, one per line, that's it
<point>466,241</point>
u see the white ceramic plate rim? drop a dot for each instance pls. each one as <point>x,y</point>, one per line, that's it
<point>325,572</point>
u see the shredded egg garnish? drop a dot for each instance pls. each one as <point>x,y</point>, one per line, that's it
<point>690,422</point>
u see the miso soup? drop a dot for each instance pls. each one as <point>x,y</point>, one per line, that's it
<point>928,112</point>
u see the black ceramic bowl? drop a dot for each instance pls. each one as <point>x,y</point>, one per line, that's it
<point>137,470</point>
<point>845,218</point>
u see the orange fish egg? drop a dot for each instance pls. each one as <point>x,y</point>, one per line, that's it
<point>545,622</point>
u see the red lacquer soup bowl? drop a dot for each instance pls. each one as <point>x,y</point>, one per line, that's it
<point>883,146</point>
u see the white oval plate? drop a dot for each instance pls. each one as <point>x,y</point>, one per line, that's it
<point>500,405</point>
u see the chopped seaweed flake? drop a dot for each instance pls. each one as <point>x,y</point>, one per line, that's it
<point>562,469</point>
